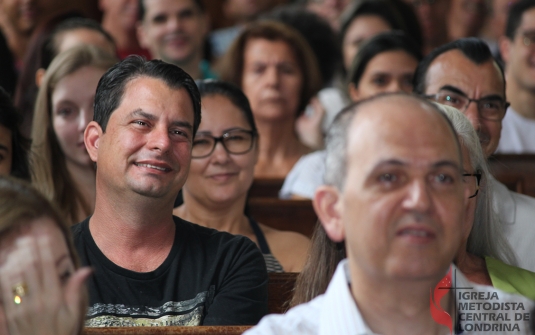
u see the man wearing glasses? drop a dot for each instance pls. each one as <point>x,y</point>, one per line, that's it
<point>464,75</point>
<point>518,51</point>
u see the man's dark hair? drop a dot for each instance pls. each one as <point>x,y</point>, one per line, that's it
<point>11,119</point>
<point>111,87</point>
<point>515,16</point>
<point>52,43</point>
<point>142,9</point>
<point>473,48</point>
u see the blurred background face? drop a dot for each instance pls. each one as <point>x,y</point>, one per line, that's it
<point>521,58</point>
<point>72,110</point>
<point>220,177</point>
<point>272,79</point>
<point>361,28</point>
<point>126,11</point>
<point>73,38</point>
<point>432,15</point>
<point>173,30</point>
<point>330,10</point>
<point>22,15</point>
<point>390,71</point>
<point>245,10</point>
<point>466,17</point>
<point>6,151</point>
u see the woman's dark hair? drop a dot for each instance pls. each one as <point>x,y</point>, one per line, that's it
<point>232,92</point>
<point>398,15</point>
<point>323,258</point>
<point>389,41</point>
<point>11,119</point>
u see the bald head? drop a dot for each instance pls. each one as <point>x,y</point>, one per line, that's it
<point>384,117</point>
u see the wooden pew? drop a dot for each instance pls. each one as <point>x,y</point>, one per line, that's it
<point>200,330</point>
<point>280,291</point>
<point>265,188</point>
<point>293,215</point>
<point>517,172</point>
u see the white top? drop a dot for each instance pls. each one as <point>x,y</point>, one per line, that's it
<point>518,134</point>
<point>305,176</point>
<point>335,312</point>
<point>517,215</point>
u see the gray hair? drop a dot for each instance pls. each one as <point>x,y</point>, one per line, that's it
<point>485,239</point>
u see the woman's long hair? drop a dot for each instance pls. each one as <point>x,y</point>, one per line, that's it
<point>49,169</point>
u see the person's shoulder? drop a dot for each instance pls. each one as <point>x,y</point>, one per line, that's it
<point>302,319</point>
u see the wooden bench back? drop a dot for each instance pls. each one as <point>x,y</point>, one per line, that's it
<point>517,172</point>
<point>280,291</point>
<point>265,188</point>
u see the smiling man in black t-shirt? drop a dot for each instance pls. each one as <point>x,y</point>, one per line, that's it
<point>153,269</point>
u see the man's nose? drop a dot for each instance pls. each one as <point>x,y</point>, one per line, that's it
<point>472,113</point>
<point>159,139</point>
<point>418,197</point>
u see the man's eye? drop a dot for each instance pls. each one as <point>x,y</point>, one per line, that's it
<point>388,178</point>
<point>380,81</point>
<point>140,123</point>
<point>444,178</point>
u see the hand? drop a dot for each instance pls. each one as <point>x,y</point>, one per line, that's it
<point>308,126</point>
<point>48,306</point>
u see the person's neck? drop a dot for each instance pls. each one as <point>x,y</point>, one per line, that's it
<point>279,149</point>
<point>522,99</point>
<point>124,39</point>
<point>134,231</point>
<point>84,177</point>
<point>473,267</point>
<point>227,217</point>
<point>404,303</point>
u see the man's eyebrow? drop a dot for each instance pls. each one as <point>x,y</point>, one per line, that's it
<point>447,163</point>
<point>397,162</point>
<point>140,112</point>
<point>183,124</point>
<point>460,92</point>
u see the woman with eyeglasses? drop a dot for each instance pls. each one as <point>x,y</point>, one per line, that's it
<point>484,256</point>
<point>224,154</point>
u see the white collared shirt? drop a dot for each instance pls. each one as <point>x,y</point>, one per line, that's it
<point>335,312</point>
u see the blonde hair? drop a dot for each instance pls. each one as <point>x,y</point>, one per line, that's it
<point>49,168</point>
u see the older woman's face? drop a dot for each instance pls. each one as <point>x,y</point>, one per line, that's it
<point>6,151</point>
<point>221,177</point>
<point>272,80</point>
<point>470,183</point>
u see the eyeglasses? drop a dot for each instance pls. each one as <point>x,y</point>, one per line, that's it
<point>236,141</point>
<point>478,180</point>
<point>492,109</point>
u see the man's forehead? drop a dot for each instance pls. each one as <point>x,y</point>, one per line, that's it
<point>401,128</point>
<point>455,69</point>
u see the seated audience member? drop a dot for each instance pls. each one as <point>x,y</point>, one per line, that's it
<point>239,13</point>
<point>484,257</point>
<point>277,71</point>
<point>175,31</point>
<point>433,18</point>
<point>386,63</point>
<point>220,176</point>
<point>13,146</point>
<point>67,33</point>
<point>41,286</point>
<point>119,19</point>
<point>61,167</point>
<point>463,74</point>
<point>466,18</point>
<point>397,202</point>
<point>518,125</point>
<point>152,268</point>
<point>328,10</point>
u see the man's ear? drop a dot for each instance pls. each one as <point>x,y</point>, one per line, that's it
<point>505,48</point>
<point>92,135</point>
<point>327,205</point>
<point>353,92</point>
<point>39,75</point>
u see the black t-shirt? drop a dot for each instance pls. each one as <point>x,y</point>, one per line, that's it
<point>208,278</point>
